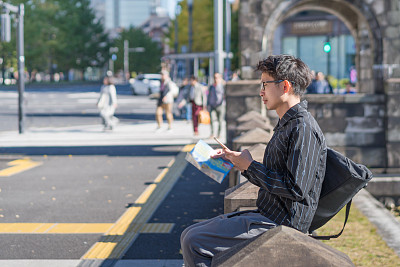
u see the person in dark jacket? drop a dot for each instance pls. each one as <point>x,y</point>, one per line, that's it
<point>290,176</point>
<point>216,104</point>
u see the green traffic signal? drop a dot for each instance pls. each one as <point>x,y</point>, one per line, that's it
<point>327,47</point>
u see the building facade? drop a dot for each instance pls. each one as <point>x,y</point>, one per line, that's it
<point>117,14</point>
<point>366,124</point>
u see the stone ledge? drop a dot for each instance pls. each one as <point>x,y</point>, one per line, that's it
<point>281,246</point>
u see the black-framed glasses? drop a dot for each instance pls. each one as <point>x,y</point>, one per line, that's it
<point>263,84</point>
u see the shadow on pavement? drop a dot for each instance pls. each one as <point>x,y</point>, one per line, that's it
<point>123,150</point>
<point>194,197</point>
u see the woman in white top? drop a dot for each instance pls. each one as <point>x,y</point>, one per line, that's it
<point>107,104</point>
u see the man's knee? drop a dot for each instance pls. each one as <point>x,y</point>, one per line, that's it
<point>189,239</point>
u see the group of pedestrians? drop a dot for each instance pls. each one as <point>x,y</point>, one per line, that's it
<point>194,97</point>
<point>191,98</point>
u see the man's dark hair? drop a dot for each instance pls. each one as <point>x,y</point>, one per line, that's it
<point>193,78</point>
<point>287,67</point>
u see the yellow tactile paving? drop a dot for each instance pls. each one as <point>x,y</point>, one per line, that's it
<point>164,228</point>
<point>18,166</point>
<point>146,194</point>
<point>79,228</point>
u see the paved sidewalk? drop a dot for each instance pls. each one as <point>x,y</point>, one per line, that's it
<point>93,135</point>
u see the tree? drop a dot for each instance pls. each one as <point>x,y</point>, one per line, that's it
<point>202,27</point>
<point>62,34</point>
<point>82,40</point>
<point>139,62</point>
<point>41,32</point>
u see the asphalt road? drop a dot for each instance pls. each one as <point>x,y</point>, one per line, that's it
<point>67,203</point>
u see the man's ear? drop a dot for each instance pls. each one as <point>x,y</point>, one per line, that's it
<point>287,86</point>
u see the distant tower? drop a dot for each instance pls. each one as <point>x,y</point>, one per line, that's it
<point>116,14</point>
<point>155,4</point>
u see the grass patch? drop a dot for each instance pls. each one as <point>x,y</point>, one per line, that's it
<point>360,240</point>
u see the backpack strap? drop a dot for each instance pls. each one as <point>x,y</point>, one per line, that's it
<point>327,237</point>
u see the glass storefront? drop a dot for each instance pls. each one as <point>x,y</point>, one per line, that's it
<point>304,36</point>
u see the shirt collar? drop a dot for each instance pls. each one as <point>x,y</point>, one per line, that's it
<point>294,112</point>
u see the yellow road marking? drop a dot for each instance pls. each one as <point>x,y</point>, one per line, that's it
<point>80,228</point>
<point>188,148</point>
<point>18,166</point>
<point>146,194</point>
<point>133,220</point>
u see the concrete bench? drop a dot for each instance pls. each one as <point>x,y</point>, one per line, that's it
<point>248,139</point>
<point>281,246</point>
<point>243,195</point>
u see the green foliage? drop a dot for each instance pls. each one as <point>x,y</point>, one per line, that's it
<point>82,40</point>
<point>202,26</point>
<point>343,82</point>
<point>332,81</point>
<point>139,62</point>
<point>203,29</point>
<point>59,35</point>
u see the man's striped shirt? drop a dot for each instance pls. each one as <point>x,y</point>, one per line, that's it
<point>292,172</point>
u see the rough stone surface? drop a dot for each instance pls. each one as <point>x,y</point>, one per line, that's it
<point>252,137</point>
<point>239,196</point>
<point>281,246</point>
<point>252,115</point>
<point>252,124</point>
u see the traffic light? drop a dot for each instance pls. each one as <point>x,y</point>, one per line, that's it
<point>327,47</point>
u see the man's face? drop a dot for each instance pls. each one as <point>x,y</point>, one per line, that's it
<point>271,91</point>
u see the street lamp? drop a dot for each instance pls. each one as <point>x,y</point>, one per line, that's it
<point>19,10</point>
<point>177,12</point>
<point>228,34</point>
<point>190,9</point>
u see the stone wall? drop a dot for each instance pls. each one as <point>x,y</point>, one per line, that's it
<point>393,122</point>
<point>374,26</point>
<point>355,125</point>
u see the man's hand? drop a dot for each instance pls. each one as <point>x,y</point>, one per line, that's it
<point>241,160</point>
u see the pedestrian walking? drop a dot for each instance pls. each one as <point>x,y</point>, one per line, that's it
<point>107,103</point>
<point>165,102</point>
<point>216,105</point>
<point>199,102</point>
<point>290,176</point>
<point>183,102</point>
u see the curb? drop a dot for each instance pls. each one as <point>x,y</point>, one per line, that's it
<point>387,225</point>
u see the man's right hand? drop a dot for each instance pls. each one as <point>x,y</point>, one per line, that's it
<point>241,160</point>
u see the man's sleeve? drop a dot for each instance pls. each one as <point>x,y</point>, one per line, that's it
<point>302,160</point>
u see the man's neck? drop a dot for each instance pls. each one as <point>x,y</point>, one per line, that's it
<point>291,102</point>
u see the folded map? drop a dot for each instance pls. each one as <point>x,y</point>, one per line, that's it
<point>200,157</point>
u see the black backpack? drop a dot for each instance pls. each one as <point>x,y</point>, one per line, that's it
<point>343,180</point>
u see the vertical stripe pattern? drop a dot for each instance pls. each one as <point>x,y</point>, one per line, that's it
<point>293,169</point>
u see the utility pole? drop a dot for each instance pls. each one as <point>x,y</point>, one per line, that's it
<point>20,11</point>
<point>190,10</point>
<point>218,34</point>
<point>126,56</point>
